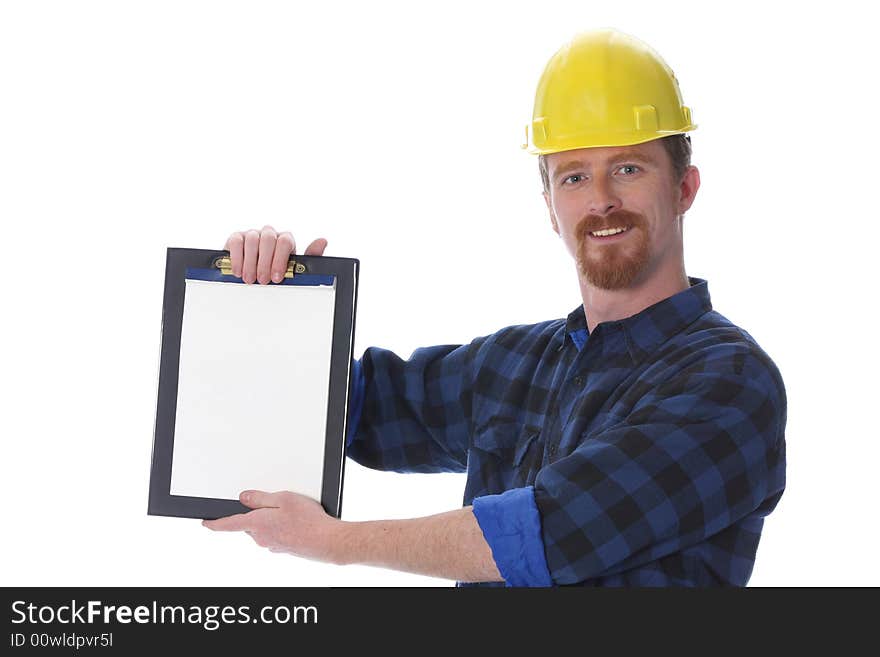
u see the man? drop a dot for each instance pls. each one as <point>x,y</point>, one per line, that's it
<point>639,441</point>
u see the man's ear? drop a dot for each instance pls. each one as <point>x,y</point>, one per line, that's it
<point>687,189</point>
<point>552,214</point>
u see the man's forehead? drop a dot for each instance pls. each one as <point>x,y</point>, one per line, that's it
<point>647,152</point>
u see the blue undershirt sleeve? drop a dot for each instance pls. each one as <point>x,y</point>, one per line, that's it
<point>356,400</point>
<point>511,526</point>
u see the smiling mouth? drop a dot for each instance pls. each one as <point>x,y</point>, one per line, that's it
<point>609,233</point>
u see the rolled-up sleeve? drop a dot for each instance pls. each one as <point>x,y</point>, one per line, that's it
<point>511,525</point>
<point>355,401</point>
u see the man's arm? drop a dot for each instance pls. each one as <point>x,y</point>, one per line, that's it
<point>448,545</point>
<point>413,414</point>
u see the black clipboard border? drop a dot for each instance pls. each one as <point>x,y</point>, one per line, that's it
<point>161,502</point>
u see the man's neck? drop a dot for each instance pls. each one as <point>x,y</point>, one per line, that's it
<point>609,305</point>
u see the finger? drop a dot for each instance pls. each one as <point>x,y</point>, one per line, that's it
<point>284,246</point>
<point>251,250</point>
<point>235,523</point>
<point>258,499</point>
<point>317,247</point>
<point>267,249</point>
<point>235,246</point>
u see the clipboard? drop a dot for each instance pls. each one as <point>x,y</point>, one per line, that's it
<point>254,384</point>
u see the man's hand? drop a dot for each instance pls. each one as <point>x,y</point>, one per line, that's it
<point>286,522</point>
<point>261,255</point>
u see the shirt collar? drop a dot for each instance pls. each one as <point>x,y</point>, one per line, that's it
<point>651,327</point>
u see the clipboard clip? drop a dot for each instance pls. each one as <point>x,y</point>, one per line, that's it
<point>224,264</point>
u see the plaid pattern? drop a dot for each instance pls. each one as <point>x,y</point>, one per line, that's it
<point>649,451</point>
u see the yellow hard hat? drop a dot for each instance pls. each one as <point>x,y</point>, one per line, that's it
<point>605,88</point>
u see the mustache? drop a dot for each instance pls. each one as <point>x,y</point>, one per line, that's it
<point>593,222</point>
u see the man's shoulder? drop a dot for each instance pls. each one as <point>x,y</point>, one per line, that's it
<point>717,344</point>
<point>519,334</point>
<point>528,345</point>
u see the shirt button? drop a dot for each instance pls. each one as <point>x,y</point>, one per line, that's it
<point>578,381</point>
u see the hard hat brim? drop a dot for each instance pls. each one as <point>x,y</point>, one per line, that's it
<point>601,140</point>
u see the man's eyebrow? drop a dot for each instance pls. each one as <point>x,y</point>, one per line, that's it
<point>629,157</point>
<point>644,158</point>
<point>568,166</point>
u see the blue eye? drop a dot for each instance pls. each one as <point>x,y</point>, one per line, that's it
<point>629,166</point>
<point>577,175</point>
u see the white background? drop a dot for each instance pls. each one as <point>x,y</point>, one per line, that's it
<point>393,130</point>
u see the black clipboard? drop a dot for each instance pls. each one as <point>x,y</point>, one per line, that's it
<point>329,282</point>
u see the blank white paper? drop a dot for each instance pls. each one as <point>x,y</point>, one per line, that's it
<point>253,389</point>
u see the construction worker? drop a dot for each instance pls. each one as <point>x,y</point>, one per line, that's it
<point>639,441</point>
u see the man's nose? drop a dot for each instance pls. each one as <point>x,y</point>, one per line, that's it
<point>603,201</point>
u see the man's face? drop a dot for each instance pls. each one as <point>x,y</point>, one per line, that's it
<point>631,187</point>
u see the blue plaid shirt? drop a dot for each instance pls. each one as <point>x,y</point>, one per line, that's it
<point>645,453</point>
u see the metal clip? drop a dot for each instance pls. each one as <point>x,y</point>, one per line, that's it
<point>224,264</point>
